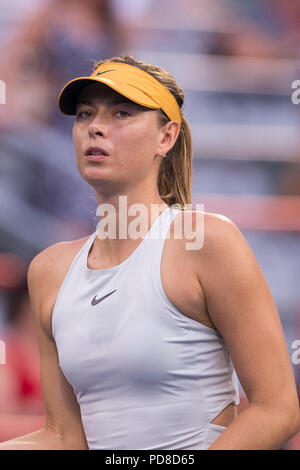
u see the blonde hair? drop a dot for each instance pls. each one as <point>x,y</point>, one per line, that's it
<point>174,180</point>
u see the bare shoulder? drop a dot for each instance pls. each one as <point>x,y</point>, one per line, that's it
<point>224,248</point>
<point>54,257</point>
<point>45,276</point>
<point>192,218</point>
<point>207,232</point>
<point>220,232</point>
<point>213,244</point>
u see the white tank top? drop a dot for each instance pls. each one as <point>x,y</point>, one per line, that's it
<point>145,375</point>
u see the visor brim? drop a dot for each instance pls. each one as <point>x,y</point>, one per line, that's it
<point>69,95</point>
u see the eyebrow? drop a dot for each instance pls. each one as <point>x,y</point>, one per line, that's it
<point>112,101</point>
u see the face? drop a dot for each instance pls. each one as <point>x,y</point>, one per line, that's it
<point>129,136</point>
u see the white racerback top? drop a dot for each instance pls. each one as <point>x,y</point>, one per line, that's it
<point>145,375</point>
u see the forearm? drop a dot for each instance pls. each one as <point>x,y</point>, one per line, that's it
<point>257,427</point>
<point>42,439</point>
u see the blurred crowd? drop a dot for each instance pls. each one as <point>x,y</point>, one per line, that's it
<point>62,38</point>
<point>44,44</point>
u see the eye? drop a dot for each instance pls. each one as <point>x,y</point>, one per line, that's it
<point>80,115</point>
<point>122,114</point>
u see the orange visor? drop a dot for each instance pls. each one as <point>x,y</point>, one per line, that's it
<point>129,81</point>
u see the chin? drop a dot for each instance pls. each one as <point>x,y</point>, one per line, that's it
<point>93,172</point>
<point>100,179</point>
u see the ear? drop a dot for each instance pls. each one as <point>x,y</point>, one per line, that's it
<point>168,136</point>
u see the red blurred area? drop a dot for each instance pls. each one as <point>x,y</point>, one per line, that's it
<point>12,271</point>
<point>21,401</point>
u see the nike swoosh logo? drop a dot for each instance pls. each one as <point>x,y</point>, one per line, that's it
<point>95,301</point>
<point>105,71</point>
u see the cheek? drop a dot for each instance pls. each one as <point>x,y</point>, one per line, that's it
<point>136,144</point>
<point>77,140</point>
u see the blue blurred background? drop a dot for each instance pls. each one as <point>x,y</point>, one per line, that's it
<point>236,61</point>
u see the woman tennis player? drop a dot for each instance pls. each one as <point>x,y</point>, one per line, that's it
<point>141,339</point>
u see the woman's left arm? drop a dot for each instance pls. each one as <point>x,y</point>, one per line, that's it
<point>241,307</point>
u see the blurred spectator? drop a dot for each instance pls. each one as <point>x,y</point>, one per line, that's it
<point>268,28</point>
<point>130,12</point>
<point>12,271</point>
<point>60,41</point>
<point>52,41</point>
<point>21,401</point>
<point>289,182</point>
<point>288,15</point>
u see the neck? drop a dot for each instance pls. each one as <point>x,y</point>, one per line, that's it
<point>124,221</point>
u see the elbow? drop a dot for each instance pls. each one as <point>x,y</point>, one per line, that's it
<point>286,418</point>
<point>291,420</point>
<point>295,422</point>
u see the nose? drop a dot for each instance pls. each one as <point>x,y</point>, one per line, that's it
<point>97,128</point>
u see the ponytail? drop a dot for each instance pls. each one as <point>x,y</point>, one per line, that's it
<point>175,173</point>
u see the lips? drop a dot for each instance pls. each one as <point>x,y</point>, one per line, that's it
<point>96,151</point>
